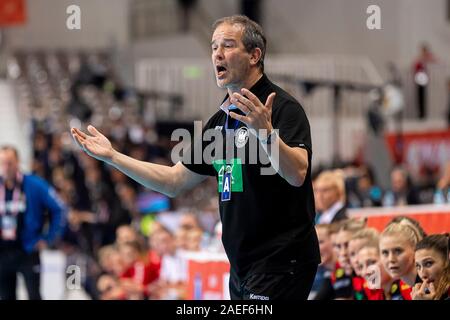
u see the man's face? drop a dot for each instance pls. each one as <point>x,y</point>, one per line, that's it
<point>230,59</point>
<point>398,181</point>
<point>9,164</point>
<point>327,194</point>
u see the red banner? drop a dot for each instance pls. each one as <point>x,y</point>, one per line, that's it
<point>420,151</point>
<point>12,12</point>
<point>208,276</point>
<point>433,218</point>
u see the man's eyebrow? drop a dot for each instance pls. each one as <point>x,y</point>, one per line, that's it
<point>225,40</point>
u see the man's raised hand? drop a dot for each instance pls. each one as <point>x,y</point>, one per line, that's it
<point>96,145</point>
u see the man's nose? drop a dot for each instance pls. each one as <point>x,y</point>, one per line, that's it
<point>218,53</point>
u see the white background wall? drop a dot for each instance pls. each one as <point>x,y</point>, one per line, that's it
<point>302,26</point>
<point>339,27</point>
<point>102,22</point>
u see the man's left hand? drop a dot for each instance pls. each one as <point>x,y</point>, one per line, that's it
<point>258,115</point>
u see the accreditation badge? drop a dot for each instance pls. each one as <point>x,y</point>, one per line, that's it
<point>9,227</point>
<point>226,183</point>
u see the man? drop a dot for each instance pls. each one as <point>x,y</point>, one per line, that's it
<point>403,191</point>
<point>268,220</point>
<point>24,200</point>
<point>330,194</point>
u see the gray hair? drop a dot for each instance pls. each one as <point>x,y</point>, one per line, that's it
<point>10,148</point>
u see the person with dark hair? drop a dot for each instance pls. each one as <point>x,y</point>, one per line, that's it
<point>402,192</point>
<point>24,202</point>
<point>422,77</point>
<point>369,193</point>
<point>433,268</point>
<point>267,215</point>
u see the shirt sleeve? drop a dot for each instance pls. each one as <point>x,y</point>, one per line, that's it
<point>58,212</point>
<point>193,156</point>
<point>293,125</point>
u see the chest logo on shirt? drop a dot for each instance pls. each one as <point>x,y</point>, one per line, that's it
<point>234,168</point>
<point>241,137</point>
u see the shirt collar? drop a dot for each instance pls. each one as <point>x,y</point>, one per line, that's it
<point>328,215</point>
<point>257,89</point>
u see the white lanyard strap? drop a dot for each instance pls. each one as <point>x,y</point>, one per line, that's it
<point>14,207</point>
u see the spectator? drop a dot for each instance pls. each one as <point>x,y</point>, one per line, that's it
<point>357,241</point>
<point>106,259</point>
<point>330,191</point>
<point>194,239</point>
<point>343,274</point>
<point>126,234</point>
<point>327,265</point>
<point>24,201</point>
<point>442,192</point>
<point>138,273</point>
<point>421,78</point>
<point>397,243</point>
<point>403,192</point>
<point>173,275</point>
<point>367,193</point>
<point>189,221</point>
<point>378,280</point>
<point>433,268</point>
<point>109,288</point>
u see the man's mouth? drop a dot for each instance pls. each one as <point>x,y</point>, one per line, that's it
<point>221,70</point>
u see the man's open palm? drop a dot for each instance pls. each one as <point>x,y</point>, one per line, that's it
<point>96,145</point>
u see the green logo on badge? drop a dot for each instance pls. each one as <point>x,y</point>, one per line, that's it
<point>235,168</point>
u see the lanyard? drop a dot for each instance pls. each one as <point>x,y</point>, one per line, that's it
<point>235,125</point>
<point>229,139</point>
<point>15,208</point>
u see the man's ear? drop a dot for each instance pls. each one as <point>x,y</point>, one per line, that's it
<point>255,56</point>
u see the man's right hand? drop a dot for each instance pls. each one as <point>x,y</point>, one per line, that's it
<point>96,145</point>
<point>169,180</point>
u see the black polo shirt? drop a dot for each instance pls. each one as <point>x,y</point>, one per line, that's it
<point>268,224</point>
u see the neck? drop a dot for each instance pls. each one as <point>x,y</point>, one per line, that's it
<point>386,286</point>
<point>410,278</point>
<point>247,84</point>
